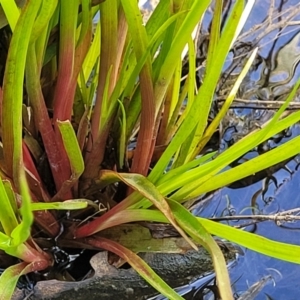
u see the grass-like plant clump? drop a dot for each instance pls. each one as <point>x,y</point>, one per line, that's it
<point>95,118</point>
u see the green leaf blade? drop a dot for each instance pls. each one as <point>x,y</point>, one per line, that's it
<point>65,205</point>
<point>148,190</point>
<point>283,251</point>
<point>72,148</point>
<point>199,233</point>
<point>22,232</point>
<point>13,89</point>
<point>7,215</point>
<point>138,264</point>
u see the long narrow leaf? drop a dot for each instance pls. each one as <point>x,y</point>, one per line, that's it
<point>287,252</point>
<point>11,11</point>
<point>46,11</point>
<point>138,264</point>
<point>9,279</point>
<point>146,137</point>
<point>7,215</point>
<point>192,18</point>
<point>72,148</point>
<point>199,233</point>
<point>252,166</point>
<point>10,276</point>
<point>13,89</point>
<point>204,98</point>
<point>202,174</point>
<point>216,121</point>
<point>22,232</point>
<point>65,205</point>
<point>148,190</point>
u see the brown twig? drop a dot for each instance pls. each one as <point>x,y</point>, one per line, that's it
<point>285,216</point>
<point>260,104</point>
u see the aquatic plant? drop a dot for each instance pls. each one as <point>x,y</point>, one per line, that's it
<point>94,117</point>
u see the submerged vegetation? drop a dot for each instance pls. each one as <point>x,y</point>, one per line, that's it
<point>99,130</point>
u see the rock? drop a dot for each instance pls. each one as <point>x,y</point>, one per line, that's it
<point>109,282</point>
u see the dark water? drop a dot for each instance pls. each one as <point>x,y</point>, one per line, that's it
<point>273,26</point>
<point>251,267</point>
<point>275,72</point>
